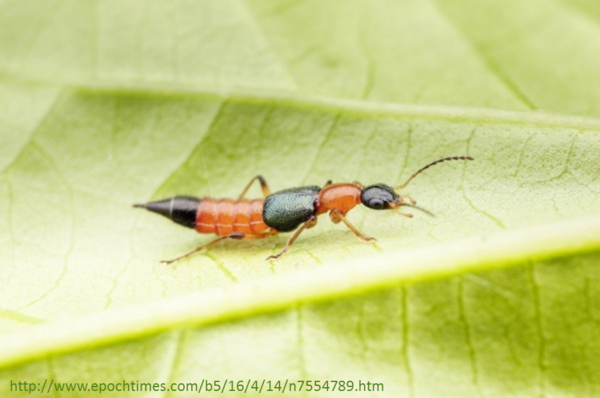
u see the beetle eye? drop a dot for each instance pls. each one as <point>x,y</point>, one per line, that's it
<point>376,204</point>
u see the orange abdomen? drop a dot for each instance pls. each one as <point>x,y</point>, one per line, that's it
<point>225,216</point>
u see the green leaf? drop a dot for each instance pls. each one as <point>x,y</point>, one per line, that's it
<point>107,104</point>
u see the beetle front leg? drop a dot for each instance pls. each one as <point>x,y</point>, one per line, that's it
<point>336,216</point>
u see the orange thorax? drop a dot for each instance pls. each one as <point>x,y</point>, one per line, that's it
<point>342,197</point>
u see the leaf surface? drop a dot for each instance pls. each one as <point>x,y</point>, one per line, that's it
<point>494,296</point>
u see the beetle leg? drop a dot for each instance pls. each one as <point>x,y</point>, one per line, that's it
<point>337,216</point>
<point>234,235</point>
<point>196,250</point>
<point>263,235</point>
<point>263,185</point>
<point>312,221</point>
<point>328,182</point>
<point>358,184</point>
<point>334,216</point>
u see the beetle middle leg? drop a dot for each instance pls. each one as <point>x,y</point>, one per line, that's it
<point>263,186</point>
<point>312,221</point>
<point>336,216</point>
<point>233,235</point>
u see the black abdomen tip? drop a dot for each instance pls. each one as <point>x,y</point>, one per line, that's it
<point>179,209</point>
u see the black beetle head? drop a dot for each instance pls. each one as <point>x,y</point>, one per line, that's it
<point>379,197</point>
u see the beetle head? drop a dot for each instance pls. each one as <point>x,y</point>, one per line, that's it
<point>384,197</point>
<point>380,197</point>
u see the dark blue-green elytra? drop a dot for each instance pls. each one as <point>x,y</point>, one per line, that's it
<point>286,210</point>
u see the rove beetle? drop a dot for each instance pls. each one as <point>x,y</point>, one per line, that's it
<point>282,211</point>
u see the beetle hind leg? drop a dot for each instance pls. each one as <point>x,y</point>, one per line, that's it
<point>263,186</point>
<point>233,235</point>
<point>196,250</point>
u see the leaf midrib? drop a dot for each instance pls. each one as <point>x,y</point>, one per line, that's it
<point>280,292</point>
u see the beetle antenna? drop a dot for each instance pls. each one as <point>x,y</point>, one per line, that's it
<point>422,169</point>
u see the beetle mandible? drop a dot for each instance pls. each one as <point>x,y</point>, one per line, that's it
<point>282,211</point>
